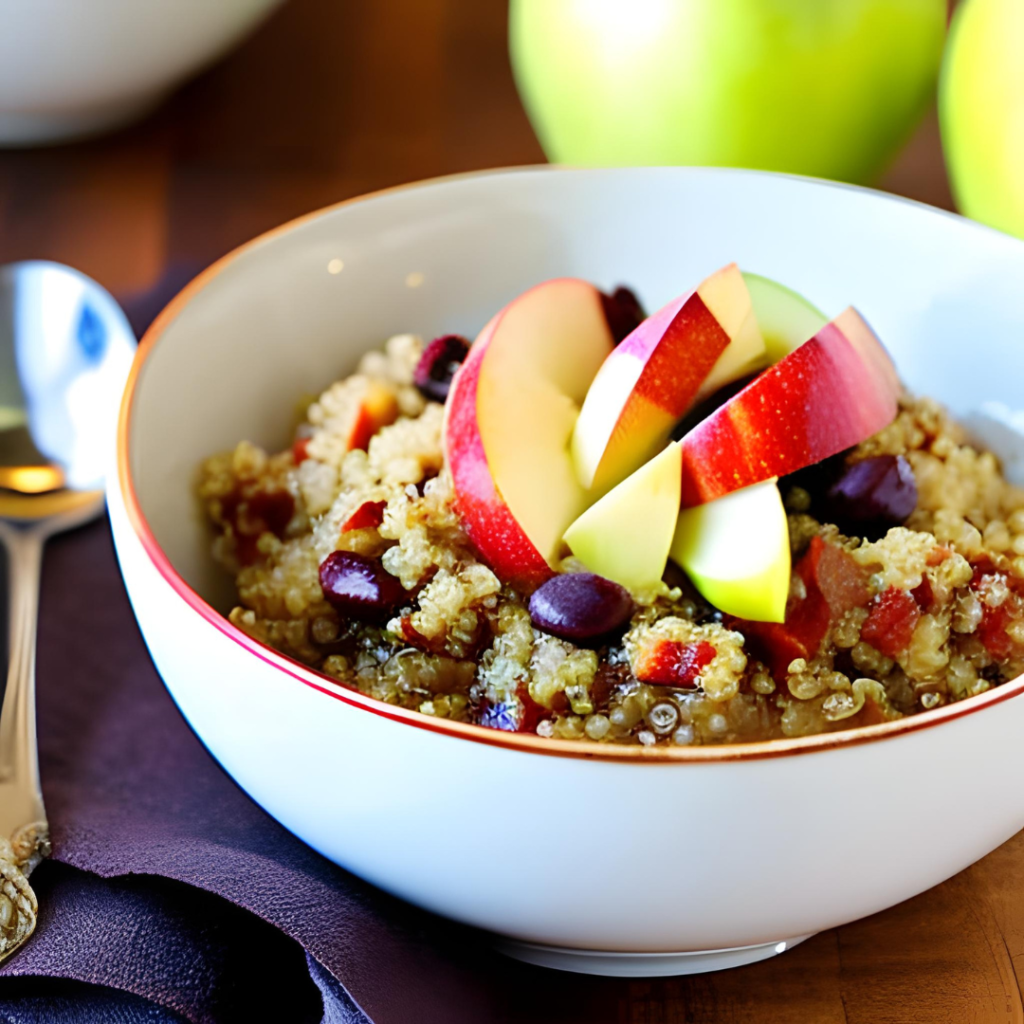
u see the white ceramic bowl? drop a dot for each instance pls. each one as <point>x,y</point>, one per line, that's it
<point>607,859</point>
<point>76,67</point>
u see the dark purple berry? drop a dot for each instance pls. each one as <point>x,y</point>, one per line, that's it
<point>871,496</point>
<point>438,365</point>
<point>623,312</point>
<point>580,607</point>
<point>359,586</point>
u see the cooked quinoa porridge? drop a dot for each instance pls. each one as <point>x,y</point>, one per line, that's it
<point>352,552</point>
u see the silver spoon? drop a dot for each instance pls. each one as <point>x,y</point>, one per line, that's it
<point>65,351</point>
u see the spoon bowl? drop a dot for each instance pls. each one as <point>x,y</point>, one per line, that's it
<point>65,351</point>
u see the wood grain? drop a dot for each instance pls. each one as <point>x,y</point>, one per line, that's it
<point>330,99</point>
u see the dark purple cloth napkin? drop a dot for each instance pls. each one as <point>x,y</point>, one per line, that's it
<point>131,793</point>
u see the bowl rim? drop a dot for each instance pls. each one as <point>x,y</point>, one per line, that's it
<point>522,742</point>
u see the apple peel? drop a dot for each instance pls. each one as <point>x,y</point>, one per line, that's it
<point>508,420</point>
<point>688,349</point>
<point>626,535</point>
<point>831,393</point>
<point>736,552</point>
<point>785,317</point>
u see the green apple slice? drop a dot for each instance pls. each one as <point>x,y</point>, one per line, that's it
<point>786,319</point>
<point>736,552</point>
<point>626,535</point>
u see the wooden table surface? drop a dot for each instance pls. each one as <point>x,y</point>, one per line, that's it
<point>331,99</point>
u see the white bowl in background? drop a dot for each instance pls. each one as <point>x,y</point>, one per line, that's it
<point>70,68</point>
<point>596,858</point>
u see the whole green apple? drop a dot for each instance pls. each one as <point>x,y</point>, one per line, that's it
<point>822,87</point>
<point>981,102</point>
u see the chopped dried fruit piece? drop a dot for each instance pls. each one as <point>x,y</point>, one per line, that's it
<point>992,633</point>
<point>780,644</point>
<point>253,515</point>
<point>300,450</point>
<point>891,621</point>
<point>274,508</point>
<point>367,516</point>
<point>924,595</point>
<point>1000,605</point>
<point>671,662</point>
<point>378,408</point>
<point>532,711</point>
<point>842,581</point>
<point>438,365</point>
<point>258,512</point>
<point>404,628</point>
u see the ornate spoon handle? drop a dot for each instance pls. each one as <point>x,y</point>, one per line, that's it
<point>18,906</point>
<point>24,835</point>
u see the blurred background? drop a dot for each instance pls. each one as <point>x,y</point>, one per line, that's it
<point>327,99</point>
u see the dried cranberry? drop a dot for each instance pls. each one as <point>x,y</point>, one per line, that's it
<point>300,450</point>
<point>367,516</point>
<point>438,365</point>
<point>607,679</point>
<point>837,575</point>
<point>580,607</point>
<point>360,586</point>
<point>673,662</point>
<point>275,508</point>
<point>253,515</point>
<point>871,496</point>
<point>623,312</point>
<point>924,595</point>
<point>532,711</point>
<point>992,633</point>
<point>890,624</point>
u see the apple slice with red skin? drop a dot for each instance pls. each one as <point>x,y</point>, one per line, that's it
<point>831,393</point>
<point>508,420</point>
<point>688,349</point>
